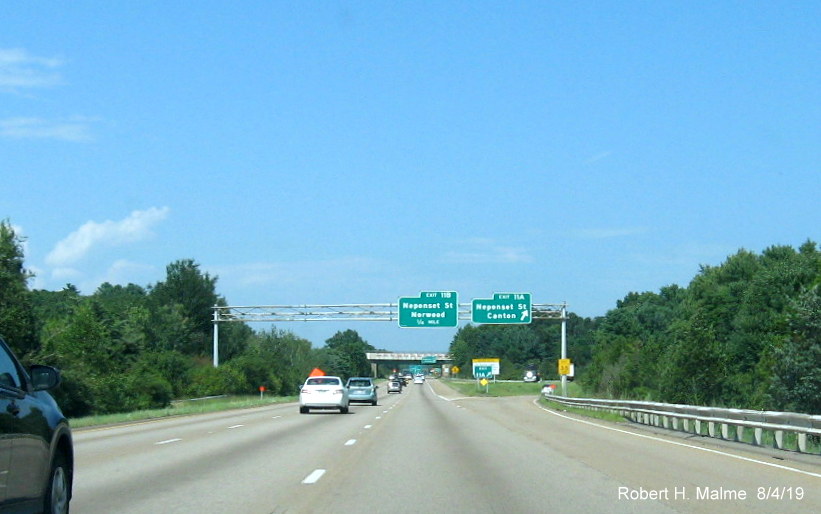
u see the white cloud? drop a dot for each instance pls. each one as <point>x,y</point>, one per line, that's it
<point>486,251</point>
<point>65,274</point>
<point>596,158</point>
<point>19,69</point>
<point>136,227</point>
<point>270,273</point>
<point>608,233</point>
<point>73,129</point>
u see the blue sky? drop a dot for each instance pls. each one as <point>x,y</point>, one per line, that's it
<point>355,152</point>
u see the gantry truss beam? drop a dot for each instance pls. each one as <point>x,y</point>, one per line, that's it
<point>351,312</point>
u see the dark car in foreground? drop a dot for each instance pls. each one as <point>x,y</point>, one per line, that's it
<point>362,389</point>
<point>36,449</point>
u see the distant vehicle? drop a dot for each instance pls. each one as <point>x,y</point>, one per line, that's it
<point>323,393</point>
<point>394,386</point>
<point>419,379</point>
<point>36,449</point>
<point>362,389</point>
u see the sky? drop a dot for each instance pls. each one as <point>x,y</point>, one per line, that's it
<point>357,152</point>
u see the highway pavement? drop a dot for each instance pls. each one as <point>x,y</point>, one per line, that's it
<point>427,450</point>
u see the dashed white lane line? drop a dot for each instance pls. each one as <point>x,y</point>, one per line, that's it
<point>235,426</point>
<point>350,442</point>
<point>168,441</point>
<point>276,417</point>
<point>314,476</point>
<point>367,427</point>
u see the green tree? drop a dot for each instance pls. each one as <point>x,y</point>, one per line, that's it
<point>346,354</point>
<point>194,292</point>
<point>17,321</point>
<point>796,384</point>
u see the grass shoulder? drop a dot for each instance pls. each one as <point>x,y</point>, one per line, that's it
<point>181,408</point>
<point>469,387</point>
<point>497,389</point>
<point>589,413</point>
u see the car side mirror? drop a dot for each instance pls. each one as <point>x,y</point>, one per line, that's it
<point>44,377</point>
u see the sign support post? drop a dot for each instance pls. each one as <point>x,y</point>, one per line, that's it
<point>564,347</point>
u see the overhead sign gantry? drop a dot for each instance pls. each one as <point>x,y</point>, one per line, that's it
<point>431,309</point>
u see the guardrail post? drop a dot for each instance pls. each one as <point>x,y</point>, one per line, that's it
<point>739,433</point>
<point>758,437</point>
<point>725,431</point>
<point>779,439</point>
<point>698,426</point>
<point>711,428</point>
<point>802,443</point>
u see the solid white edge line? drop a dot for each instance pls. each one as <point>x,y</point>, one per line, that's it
<point>676,443</point>
<point>314,476</point>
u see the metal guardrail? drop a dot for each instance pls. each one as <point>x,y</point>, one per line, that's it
<point>727,424</point>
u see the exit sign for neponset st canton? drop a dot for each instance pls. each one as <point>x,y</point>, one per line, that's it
<point>503,308</point>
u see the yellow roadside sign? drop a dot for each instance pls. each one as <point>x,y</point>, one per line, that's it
<point>564,366</point>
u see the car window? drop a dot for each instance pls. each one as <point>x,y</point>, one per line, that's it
<point>323,381</point>
<point>360,383</point>
<point>9,376</point>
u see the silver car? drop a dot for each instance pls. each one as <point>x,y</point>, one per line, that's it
<point>362,389</point>
<point>323,393</point>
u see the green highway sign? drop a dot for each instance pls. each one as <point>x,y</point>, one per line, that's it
<point>429,359</point>
<point>483,371</point>
<point>503,308</point>
<point>429,309</point>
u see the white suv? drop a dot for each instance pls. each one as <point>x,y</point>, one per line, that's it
<point>323,393</point>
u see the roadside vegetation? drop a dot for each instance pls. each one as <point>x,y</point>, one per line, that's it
<point>135,348</point>
<point>745,334</point>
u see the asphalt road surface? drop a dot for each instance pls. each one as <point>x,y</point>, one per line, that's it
<point>427,450</point>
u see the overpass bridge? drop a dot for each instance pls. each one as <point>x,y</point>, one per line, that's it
<point>400,360</point>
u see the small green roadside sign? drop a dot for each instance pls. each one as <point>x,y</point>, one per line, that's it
<point>483,371</point>
<point>503,308</point>
<point>429,309</point>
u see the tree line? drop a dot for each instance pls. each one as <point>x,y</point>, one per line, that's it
<point>746,334</point>
<point>126,348</point>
